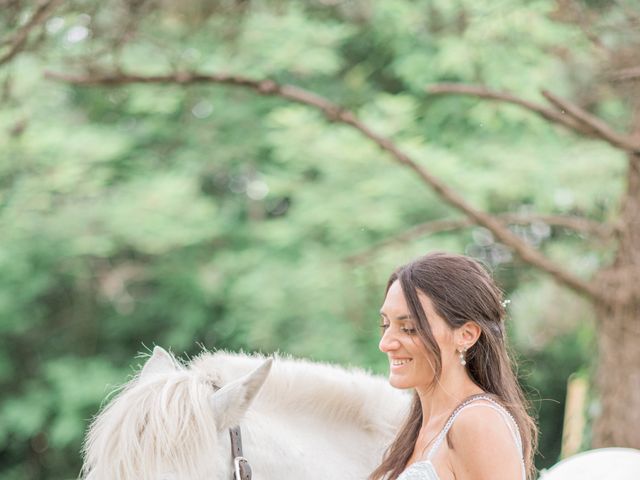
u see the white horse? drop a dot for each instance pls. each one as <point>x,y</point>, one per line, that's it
<point>299,420</point>
<point>599,464</point>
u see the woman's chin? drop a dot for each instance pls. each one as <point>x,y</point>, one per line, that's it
<point>401,383</point>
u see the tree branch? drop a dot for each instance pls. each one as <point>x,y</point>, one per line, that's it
<point>336,113</point>
<point>625,74</point>
<point>603,130</point>
<point>423,229</point>
<point>42,12</point>
<point>570,115</point>
<point>483,92</point>
<point>578,224</point>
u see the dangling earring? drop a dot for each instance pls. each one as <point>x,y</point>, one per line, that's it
<point>461,352</point>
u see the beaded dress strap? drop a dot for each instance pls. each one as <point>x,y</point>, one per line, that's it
<point>513,426</point>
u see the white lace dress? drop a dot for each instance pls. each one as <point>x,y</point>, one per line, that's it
<point>424,469</point>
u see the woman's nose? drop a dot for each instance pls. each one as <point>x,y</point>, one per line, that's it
<point>388,342</point>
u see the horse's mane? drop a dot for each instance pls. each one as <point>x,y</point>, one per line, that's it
<point>135,435</point>
<point>318,389</point>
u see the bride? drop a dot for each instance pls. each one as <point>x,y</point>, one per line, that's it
<point>443,332</point>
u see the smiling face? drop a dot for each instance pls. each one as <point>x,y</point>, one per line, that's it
<point>411,364</point>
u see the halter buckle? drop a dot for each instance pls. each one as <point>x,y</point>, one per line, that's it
<point>238,463</point>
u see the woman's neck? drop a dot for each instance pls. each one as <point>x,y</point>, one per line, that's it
<point>439,401</point>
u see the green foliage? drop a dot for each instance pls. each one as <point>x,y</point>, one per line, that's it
<point>208,215</point>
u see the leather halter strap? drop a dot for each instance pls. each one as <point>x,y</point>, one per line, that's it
<point>241,467</point>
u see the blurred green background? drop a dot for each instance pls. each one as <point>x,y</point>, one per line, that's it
<point>205,215</point>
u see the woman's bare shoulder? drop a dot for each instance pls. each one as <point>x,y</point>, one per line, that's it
<point>483,446</point>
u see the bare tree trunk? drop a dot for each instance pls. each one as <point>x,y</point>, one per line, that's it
<point>618,376</point>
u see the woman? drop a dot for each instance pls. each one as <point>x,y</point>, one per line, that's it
<point>443,331</point>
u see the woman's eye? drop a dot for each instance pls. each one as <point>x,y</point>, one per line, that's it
<point>384,326</point>
<point>410,331</point>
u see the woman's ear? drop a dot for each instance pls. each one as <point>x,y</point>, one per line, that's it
<point>467,335</point>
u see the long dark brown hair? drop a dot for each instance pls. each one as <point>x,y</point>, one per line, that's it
<point>460,290</point>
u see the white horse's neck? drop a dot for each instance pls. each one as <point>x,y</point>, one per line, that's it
<point>324,391</point>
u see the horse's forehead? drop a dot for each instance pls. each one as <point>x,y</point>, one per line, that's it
<point>213,378</point>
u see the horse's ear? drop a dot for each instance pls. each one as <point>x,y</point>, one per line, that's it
<point>160,361</point>
<point>232,401</point>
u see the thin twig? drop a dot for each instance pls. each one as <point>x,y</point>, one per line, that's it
<point>42,12</point>
<point>592,122</point>
<point>417,231</point>
<point>569,115</point>
<point>482,92</point>
<point>336,113</point>
<point>625,74</point>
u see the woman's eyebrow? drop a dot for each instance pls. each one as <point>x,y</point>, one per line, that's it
<point>400,318</point>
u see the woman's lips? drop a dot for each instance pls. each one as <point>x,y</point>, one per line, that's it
<point>399,363</point>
